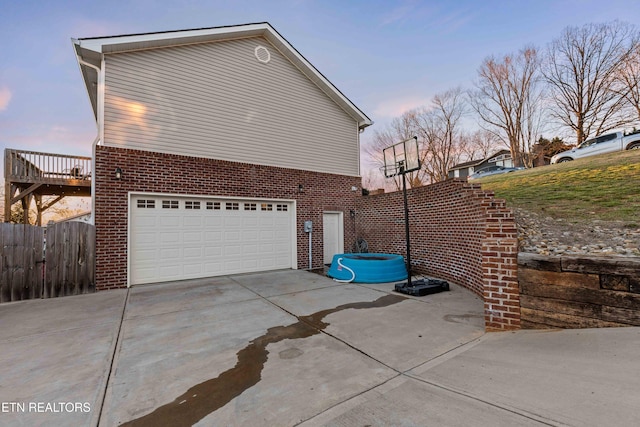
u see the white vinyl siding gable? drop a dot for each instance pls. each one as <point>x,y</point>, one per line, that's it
<point>217,100</point>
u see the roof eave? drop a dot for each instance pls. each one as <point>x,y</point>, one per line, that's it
<point>89,74</point>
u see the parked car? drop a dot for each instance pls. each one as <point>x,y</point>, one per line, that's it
<point>608,143</point>
<point>491,170</point>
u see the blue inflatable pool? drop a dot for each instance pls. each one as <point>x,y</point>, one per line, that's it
<point>368,268</point>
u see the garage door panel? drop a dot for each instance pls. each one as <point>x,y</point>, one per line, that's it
<point>146,269</point>
<point>233,266</point>
<point>233,222</point>
<point>192,252</point>
<point>232,236</point>
<point>282,248</point>
<point>191,270</point>
<point>266,248</point>
<point>192,236</point>
<point>213,236</point>
<point>210,252</point>
<point>169,221</point>
<point>171,271</point>
<point>147,237</point>
<point>250,264</point>
<point>250,250</point>
<point>267,235</point>
<point>250,235</point>
<point>266,223</point>
<point>145,256</point>
<point>145,274</point>
<point>281,222</point>
<point>174,238</point>
<point>213,221</point>
<point>147,221</point>
<point>282,261</point>
<point>232,250</point>
<point>169,237</point>
<point>193,221</point>
<point>268,262</point>
<point>250,222</point>
<point>169,254</point>
<point>213,269</point>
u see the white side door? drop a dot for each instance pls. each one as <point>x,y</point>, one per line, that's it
<point>332,235</point>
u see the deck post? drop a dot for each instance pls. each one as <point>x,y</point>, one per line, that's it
<point>7,201</point>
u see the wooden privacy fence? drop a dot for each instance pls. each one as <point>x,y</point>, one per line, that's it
<point>21,262</point>
<point>38,262</point>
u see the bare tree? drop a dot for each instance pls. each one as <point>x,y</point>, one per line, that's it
<point>372,180</point>
<point>440,132</point>
<point>400,129</point>
<point>581,69</point>
<point>480,145</point>
<point>628,78</point>
<point>508,100</point>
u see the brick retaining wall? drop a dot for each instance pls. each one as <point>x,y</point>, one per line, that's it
<point>459,233</point>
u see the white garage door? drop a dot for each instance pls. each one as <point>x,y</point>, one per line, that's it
<point>175,238</point>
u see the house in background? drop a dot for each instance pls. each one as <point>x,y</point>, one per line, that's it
<point>463,170</point>
<point>79,217</point>
<point>214,147</point>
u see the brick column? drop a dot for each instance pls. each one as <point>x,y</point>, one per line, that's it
<point>500,278</point>
<point>500,268</point>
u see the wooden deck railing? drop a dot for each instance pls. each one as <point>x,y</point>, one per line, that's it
<point>32,166</point>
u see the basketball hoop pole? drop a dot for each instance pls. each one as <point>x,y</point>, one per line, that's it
<point>400,159</point>
<point>406,222</point>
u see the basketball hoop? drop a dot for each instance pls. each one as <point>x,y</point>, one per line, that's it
<point>400,159</point>
<point>390,171</point>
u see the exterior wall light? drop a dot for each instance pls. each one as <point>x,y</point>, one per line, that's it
<point>118,174</point>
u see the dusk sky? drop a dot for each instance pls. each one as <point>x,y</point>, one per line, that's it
<point>386,56</point>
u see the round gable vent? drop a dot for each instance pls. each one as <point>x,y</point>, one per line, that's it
<point>262,54</point>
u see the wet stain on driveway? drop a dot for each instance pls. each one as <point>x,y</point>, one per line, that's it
<point>206,397</point>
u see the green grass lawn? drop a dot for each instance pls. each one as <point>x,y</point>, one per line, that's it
<point>605,187</point>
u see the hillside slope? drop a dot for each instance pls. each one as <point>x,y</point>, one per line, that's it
<point>590,205</point>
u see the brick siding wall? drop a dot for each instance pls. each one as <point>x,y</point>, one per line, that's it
<point>165,173</point>
<point>459,233</point>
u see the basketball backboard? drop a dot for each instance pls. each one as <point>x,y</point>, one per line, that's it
<point>401,158</point>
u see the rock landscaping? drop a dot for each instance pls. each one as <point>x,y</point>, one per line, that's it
<point>545,235</point>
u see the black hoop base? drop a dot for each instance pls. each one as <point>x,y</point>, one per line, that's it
<point>422,287</point>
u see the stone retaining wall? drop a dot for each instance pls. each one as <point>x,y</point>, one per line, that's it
<point>578,292</point>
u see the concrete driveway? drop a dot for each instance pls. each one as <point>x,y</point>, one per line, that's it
<point>294,348</point>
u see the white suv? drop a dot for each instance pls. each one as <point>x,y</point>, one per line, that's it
<point>607,143</point>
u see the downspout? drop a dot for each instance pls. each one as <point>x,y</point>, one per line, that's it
<point>99,125</point>
<point>310,251</point>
